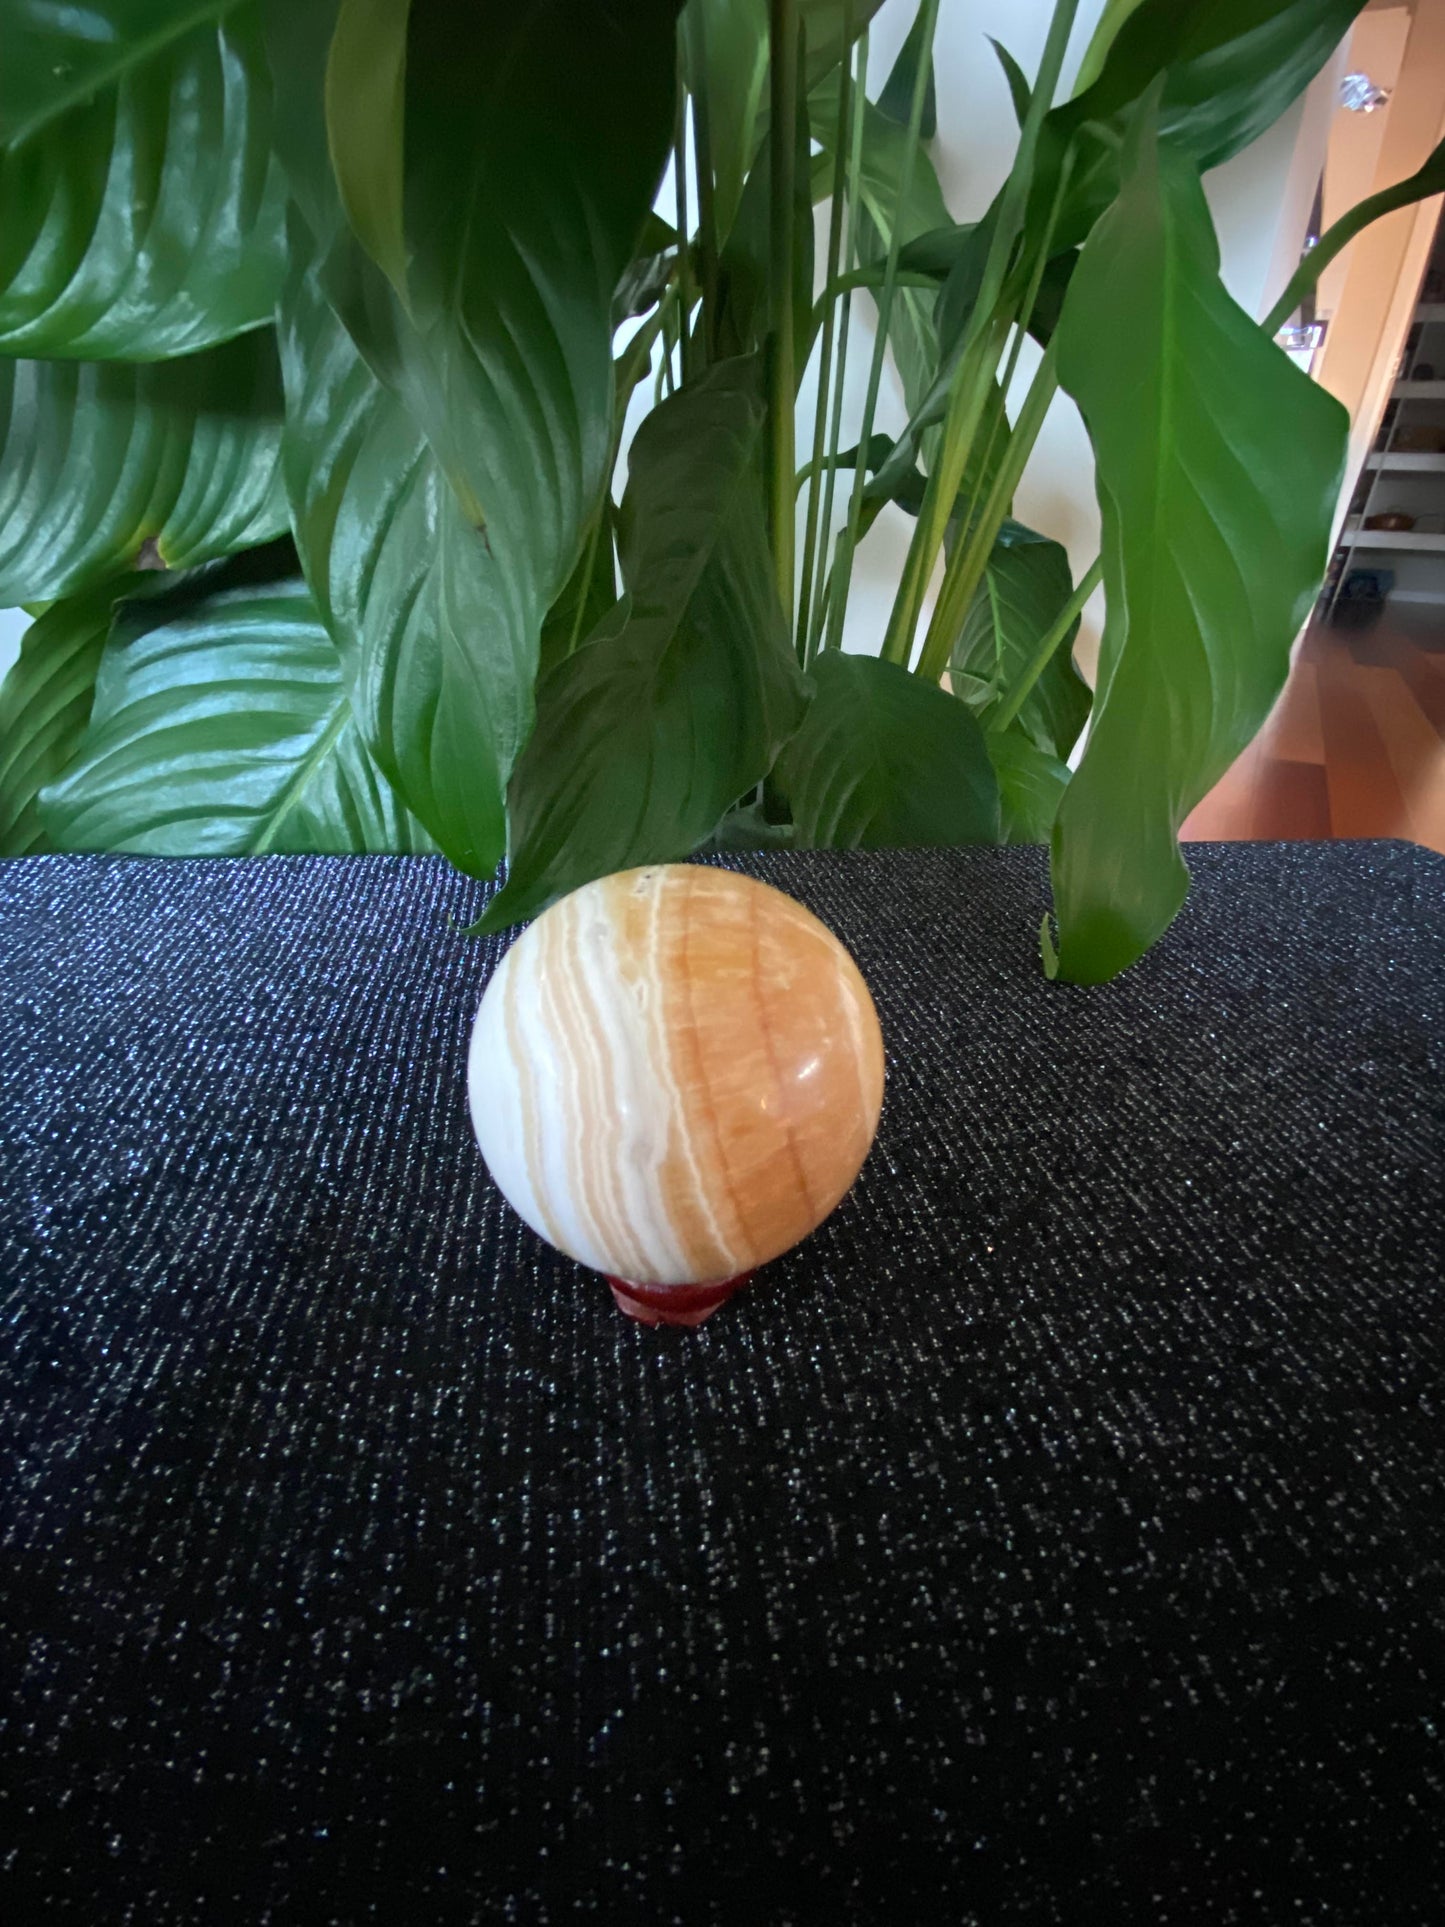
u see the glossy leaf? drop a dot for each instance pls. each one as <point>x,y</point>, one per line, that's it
<point>747,307</point>
<point>1049,302</point>
<point>1230,67</point>
<point>831,27</point>
<point>939,252</point>
<point>147,222</point>
<point>1020,93</point>
<point>935,251</point>
<point>524,197</point>
<point>896,96</point>
<point>45,704</point>
<point>1023,593</point>
<point>747,828</point>
<point>886,761</point>
<point>298,52</point>
<point>726,52</point>
<point>221,727</point>
<point>440,668</point>
<point>681,700</point>
<point>646,277</point>
<point>725,49</point>
<point>1228,70</point>
<point>58,56</point>
<point>1031,785</point>
<point>1218,467</point>
<point>102,460</point>
<point>365,125</point>
<point>1115,13</point>
<point>591,590</point>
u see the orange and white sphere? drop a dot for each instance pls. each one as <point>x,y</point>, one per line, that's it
<point>675,1074</point>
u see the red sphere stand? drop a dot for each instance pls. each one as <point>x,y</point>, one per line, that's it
<point>674,1304</point>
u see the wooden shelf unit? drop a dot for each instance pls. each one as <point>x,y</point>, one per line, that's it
<point>1399,474</point>
<point>1418,539</point>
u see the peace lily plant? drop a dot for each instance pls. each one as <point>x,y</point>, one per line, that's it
<point>318,324</point>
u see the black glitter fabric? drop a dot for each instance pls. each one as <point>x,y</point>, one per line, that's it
<point>1058,1536</point>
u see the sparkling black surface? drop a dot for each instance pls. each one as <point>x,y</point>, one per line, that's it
<point>1056,1537</point>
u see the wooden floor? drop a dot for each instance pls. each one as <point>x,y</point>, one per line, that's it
<point>1355,747</point>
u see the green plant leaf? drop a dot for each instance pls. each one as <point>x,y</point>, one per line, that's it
<point>895,479</point>
<point>953,307</point>
<point>221,727</point>
<point>365,124</point>
<point>590,592</point>
<point>897,93</point>
<point>524,198</point>
<point>1020,93</point>
<point>426,614</point>
<point>935,251</point>
<point>58,56</point>
<point>886,761</point>
<point>747,828</point>
<point>1031,784</point>
<point>931,362</point>
<point>1022,595</point>
<point>725,45</point>
<point>745,278</point>
<point>45,704</point>
<point>1229,69</point>
<point>831,27</point>
<point>1115,13</point>
<point>147,222</point>
<point>100,461</point>
<point>645,279</point>
<point>725,50</point>
<point>1218,466</point>
<point>680,702</point>
<point>1049,302</point>
<point>912,333</point>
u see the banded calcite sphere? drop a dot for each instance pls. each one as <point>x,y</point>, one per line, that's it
<point>675,1074</point>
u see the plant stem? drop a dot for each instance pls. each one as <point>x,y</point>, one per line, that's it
<point>852,188</point>
<point>870,276</point>
<point>928,14</point>
<point>1043,655</point>
<point>968,562</point>
<point>966,403</point>
<point>684,250</point>
<point>664,378</point>
<point>783,75</point>
<point>1036,276</point>
<point>965,568</point>
<point>706,196</point>
<point>1429,179</point>
<point>979,355</point>
<point>825,359</point>
<point>587,568</point>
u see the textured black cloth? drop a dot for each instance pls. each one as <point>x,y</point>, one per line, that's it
<point>1056,1536</point>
